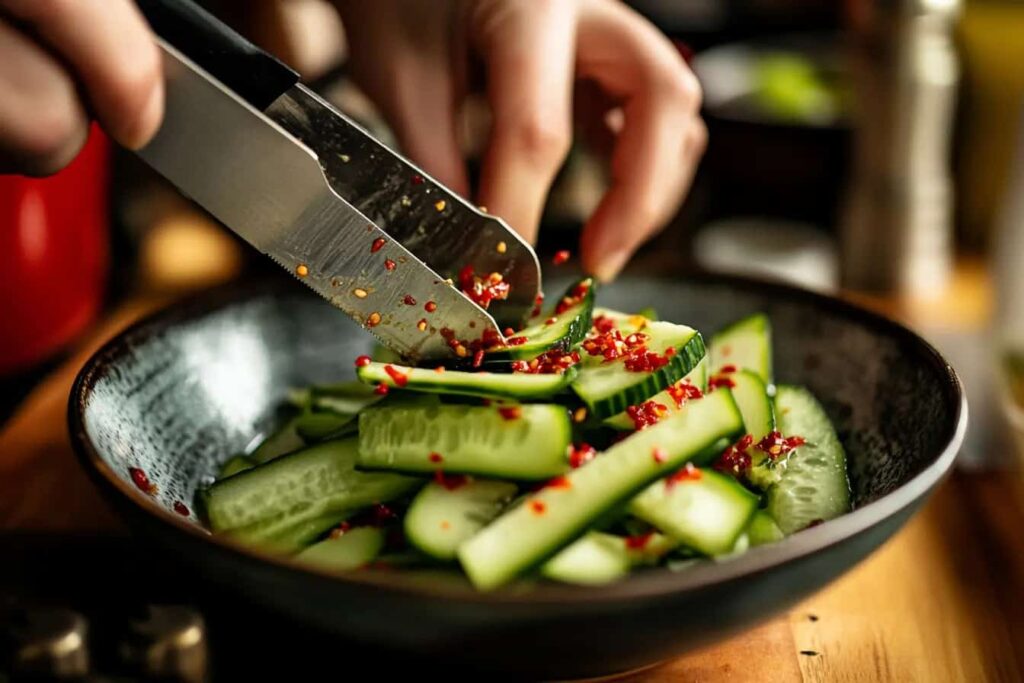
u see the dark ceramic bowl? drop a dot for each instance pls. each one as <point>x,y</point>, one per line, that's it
<point>182,391</point>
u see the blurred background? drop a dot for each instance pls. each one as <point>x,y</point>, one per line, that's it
<point>873,148</point>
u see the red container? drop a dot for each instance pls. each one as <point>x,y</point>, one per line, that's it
<point>54,251</point>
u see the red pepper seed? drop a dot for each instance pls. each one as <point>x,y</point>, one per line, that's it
<point>510,412</point>
<point>538,507</point>
<point>363,361</point>
<point>399,377</point>
<point>560,257</point>
<point>389,264</point>
<point>430,307</point>
<point>377,245</point>
<point>381,390</point>
<point>181,508</point>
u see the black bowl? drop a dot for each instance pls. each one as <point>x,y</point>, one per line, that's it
<point>180,392</point>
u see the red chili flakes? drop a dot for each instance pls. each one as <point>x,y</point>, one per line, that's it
<point>735,460</point>
<point>687,473</point>
<point>416,179</point>
<point>478,358</point>
<point>719,382</point>
<point>515,341</point>
<point>612,345</point>
<point>774,445</point>
<point>537,303</point>
<point>551,321</point>
<point>573,298</point>
<point>483,290</point>
<point>727,369</point>
<point>381,514</point>
<point>141,481</point>
<point>579,415</point>
<point>377,245</point>
<point>450,481</point>
<point>681,392</point>
<point>581,455</point>
<point>373,319</point>
<point>421,326</point>
<point>561,257</point>
<point>554,362</point>
<point>181,508</point>
<point>430,307</point>
<point>641,360</point>
<point>435,457</point>
<point>340,530</point>
<point>399,377</point>
<point>511,412</point>
<point>603,324</point>
<point>389,264</point>
<point>363,361</point>
<point>639,541</point>
<point>559,482</point>
<point>439,369</point>
<point>659,454</point>
<point>381,390</point>
<point>646,414</point>
<point>409,300</point>
<point>538,507</point>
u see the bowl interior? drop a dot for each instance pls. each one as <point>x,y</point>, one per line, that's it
<point>179,394</point>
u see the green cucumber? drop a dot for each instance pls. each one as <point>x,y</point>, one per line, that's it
<point>554,516</point>
<point>309,483</point>
<point>566,329</point>
<point>352,550</point>
<point>598,558</point>
<point>284,440</point>
<point>315,427</point>
<point>814,486</point>
<point>698,377</point>
<point>527,442</point>
<point>707,511</point>
<point>751,396</point>
<point>239,463</point>
<point>442,517</point>
<point>282,534</point>
<point>745,344</point>
<point>763,529</point>
<point>460,383</point>
<point>626,323</point>
<point>609,388</point>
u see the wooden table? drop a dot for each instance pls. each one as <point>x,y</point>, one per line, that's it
<point>942,601</point>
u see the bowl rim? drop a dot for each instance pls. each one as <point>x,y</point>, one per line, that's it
<point>644,585</point>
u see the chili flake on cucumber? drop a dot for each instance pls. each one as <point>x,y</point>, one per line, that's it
<point>589,445</point>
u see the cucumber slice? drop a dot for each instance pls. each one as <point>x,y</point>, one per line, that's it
<point>352,550</point>
<point>441,518</point>
<point>344,398</point>
<point>763,529</point>
<point>751,396</point>
<point>239,463</point>
<point>467,439</point>
<point>309,483</point>
<point>282,535</point>
<point>698,377</point>
<point>284,440</point>
<point>626,323</point>
<point>314,427</point>
<point>595,559</point>
<point>566,330</point>
<point>483,384</point>
<point>549,519</point>
<point>608,388</point>
<point>747,344</point>
<point>707,513</point>
<point>814,486</point>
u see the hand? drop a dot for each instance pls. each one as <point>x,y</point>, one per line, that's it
<point>414,57</point>
<point>62,60</point>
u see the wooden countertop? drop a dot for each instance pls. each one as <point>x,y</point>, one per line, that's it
<point>942,601</point>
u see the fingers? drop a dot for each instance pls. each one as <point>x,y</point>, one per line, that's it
<point>661,140</point>
<point>111,52</point>
<point>528,49</point>
<point>42,123</point>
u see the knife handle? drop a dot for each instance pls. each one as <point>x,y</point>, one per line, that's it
<point>254,75</point>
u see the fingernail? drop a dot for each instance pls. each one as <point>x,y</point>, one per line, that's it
<point>610,263</point>
<point>149,122</point>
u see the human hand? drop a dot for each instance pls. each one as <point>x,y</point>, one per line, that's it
<point>64,60</point>
<point>634,91</point>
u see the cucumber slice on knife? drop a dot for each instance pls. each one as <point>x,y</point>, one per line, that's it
<point>457,382</point>
<point>564,331</point>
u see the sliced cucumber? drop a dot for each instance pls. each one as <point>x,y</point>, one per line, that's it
<point>746,344</point>
<point>314,427</point>
<point>594,559</point>
<point>239,463</point>
<point>751,396</point>
<point>352,550</point>
<point>527,442</point>
<point>566,329</point>
<point>281,534</point>
<point>698,377</point>
<point>609,388</point>
<point>284,440</point>
<point>344,398</point>
<point>763,529</point>
<point>442,517</point>
<point>309,483</point>
<point>626,323</point>
<point>484,384</point>
<point>551,518</point>
<point>814,486</point>
<point>706,512</point>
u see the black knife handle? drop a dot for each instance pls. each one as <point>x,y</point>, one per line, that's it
<point>256,76</point>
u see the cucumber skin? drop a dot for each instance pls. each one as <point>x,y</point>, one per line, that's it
<point>649,384</point>
<point>473,383</point>
<point>282,535</point>
<point>674,434</point>
<point>578,328</point>
<point>698,377</point>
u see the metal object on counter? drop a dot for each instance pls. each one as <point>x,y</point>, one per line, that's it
<point>897,227</point>
<point>169,644</point>
<point>48,644</point>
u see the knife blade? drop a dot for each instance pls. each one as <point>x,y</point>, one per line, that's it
<point>302,183</point>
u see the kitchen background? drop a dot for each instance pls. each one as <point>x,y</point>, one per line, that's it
<point>873,147</point>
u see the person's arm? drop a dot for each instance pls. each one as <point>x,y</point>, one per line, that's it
<point>65,61</point>
<point>412,58</point>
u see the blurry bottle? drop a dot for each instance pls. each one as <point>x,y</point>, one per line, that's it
<point>897,230</point>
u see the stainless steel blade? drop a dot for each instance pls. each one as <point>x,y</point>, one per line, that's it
<point>267,186</point>
<point>441,228</point>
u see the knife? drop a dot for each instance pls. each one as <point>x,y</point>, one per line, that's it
<point>355,221</point>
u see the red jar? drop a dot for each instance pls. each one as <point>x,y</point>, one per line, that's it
<point>53,256</point>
